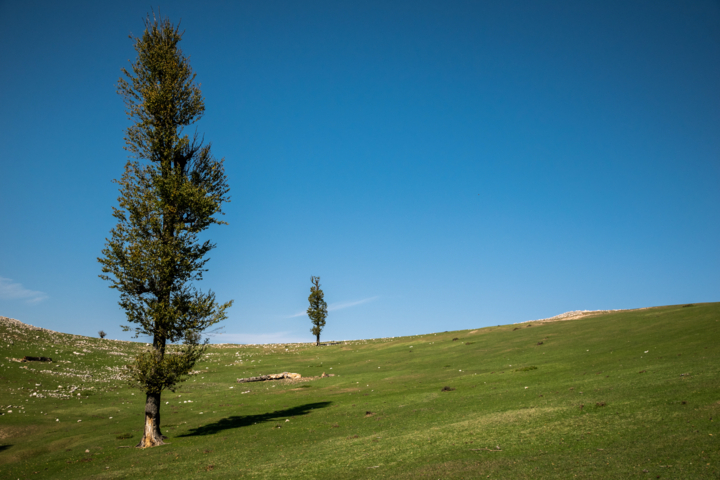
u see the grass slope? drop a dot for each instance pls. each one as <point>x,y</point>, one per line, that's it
<point>647,381</point>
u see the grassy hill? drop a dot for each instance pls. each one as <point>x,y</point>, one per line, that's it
<point>628,394</point>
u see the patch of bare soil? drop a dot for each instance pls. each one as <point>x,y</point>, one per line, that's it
<point>574,315</point>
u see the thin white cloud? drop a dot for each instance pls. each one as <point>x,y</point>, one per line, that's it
<point>339,306</point>
<point>10,290</point>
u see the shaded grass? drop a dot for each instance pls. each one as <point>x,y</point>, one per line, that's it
<point>234,422</point>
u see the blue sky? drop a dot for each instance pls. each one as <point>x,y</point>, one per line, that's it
<point>440,165</point>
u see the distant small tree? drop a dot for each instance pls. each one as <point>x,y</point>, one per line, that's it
<point>102,333</point>
<point>318,308</point>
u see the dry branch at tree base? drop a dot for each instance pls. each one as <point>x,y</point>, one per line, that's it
<point>274,376</point>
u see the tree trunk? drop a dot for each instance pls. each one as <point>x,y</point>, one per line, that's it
<point>152,437</point>
<point>317,343</point>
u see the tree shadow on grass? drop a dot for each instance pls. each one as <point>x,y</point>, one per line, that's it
<point>4,447</point>
<point>247,420</point>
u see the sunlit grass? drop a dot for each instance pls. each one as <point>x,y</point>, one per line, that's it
<point>610,396</point>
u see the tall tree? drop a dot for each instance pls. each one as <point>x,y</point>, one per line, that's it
<point>172,190</point>
<point>317,311</point>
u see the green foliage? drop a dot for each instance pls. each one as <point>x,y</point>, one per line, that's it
<point>153,372</point>
<point>317,311</point>
<point>171,191</point>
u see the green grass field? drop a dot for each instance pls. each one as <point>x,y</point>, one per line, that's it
<point>630,394</point>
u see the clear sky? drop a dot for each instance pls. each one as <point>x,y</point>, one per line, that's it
<point>440,165</point>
